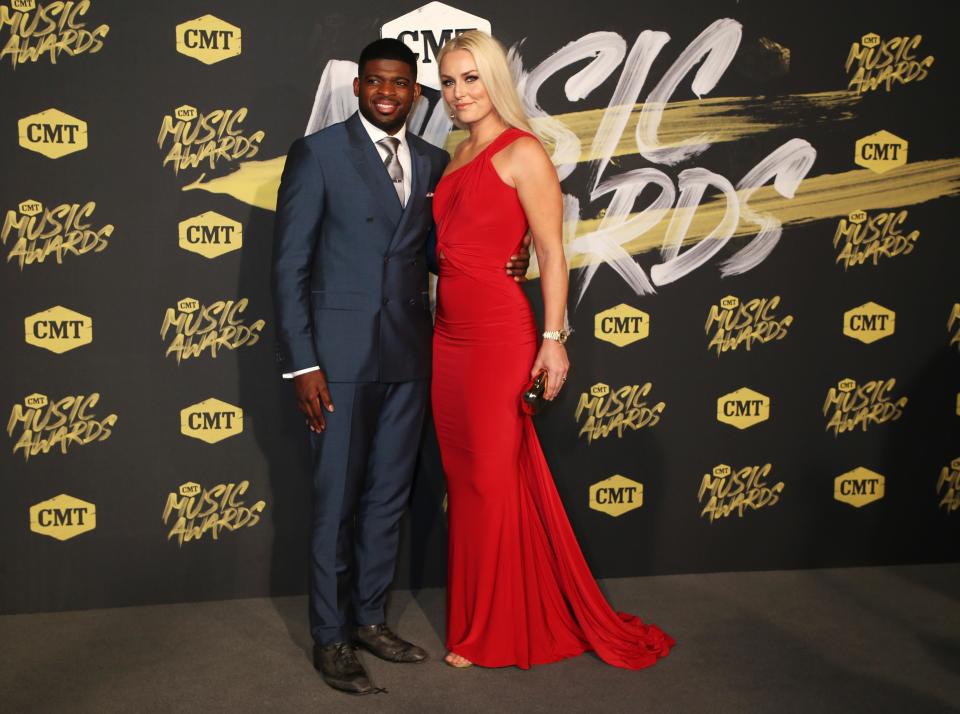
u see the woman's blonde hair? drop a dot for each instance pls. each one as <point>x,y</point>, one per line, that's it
<point>494,71</point>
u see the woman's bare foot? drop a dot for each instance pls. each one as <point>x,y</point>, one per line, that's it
<point>455,660</point>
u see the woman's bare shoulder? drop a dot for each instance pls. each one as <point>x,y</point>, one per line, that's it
<point>526,156</point>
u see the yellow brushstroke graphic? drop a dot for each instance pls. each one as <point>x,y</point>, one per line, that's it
<point>723,118</point>
<point>818,198</point>
<point>255,183</point>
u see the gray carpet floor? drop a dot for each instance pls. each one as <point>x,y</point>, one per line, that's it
<point>845,640</point>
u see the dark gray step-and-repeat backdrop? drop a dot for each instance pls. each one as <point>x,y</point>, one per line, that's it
<point>764,276</point>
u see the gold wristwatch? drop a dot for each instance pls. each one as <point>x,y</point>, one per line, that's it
<point>558,335</point>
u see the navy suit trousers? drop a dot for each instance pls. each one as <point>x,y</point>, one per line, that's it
<point>363,467</point>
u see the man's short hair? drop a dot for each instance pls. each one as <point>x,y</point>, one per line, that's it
<point>387,48</point>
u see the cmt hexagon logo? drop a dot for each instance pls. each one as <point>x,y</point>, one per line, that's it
<point>729,302</point>
<point>211,420</point>
<point>63,517</point>
<point>616,495</point>
<point>52,133</point>
<point>30,207</point>
<point>210,234</point>
<point>871,39</point>
<point>427,29</point>
<point>58,329</point>
<point>23,5</point>
<point>600,389</point>
<point>858,487</point>
<point>857,217</point>
<point>869,322</point>
<point>185,113</point>
<point>188,305</point>
<point>847,384</point>
<point>621,325</point>
<point>189,489</point>
<point>743,408</point>
<point>208,39</point>
<point>881,152</point>
<point>721,471</point>
<point>36,401</point>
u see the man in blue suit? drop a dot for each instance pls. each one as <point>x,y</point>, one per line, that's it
<point>354,328</point>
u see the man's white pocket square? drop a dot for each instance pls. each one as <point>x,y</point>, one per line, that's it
<point>430,194</point>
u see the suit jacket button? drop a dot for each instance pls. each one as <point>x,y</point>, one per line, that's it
<point>369,219</point>
<point>411,301</point>
<point>386,300</point>
<point>386,259</point>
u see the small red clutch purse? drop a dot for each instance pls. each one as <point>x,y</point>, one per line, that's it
<point>531,398</point>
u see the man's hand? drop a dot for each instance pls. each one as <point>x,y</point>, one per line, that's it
<point>518,264</point>
<point>313,396</point>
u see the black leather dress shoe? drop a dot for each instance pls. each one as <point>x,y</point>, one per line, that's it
<point>380,640</point>
<point>341,669</point>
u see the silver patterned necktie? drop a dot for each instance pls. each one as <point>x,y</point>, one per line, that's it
<point>392,162</point>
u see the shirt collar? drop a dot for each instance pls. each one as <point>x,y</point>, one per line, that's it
<point>376,133</point>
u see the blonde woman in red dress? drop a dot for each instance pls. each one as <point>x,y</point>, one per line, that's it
<point>519,591</point>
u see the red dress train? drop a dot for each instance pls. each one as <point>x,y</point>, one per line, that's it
<point>519,591</point>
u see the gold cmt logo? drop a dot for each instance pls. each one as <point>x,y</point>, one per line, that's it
<point>196,138</point>
<point>57,29</point>
<point>52,133</point>
<point>858,487</point>
<point>621,325</point>
<point>198,511</point>
<point>616,495</point>
<point>605,411</point>
<point>57,425</point>
<point>853,406</point>
<point>869,322</point>
<point>58,329</point>
<point>863,239</point>
<point>211,234</point>
<point>727,491</point>
<point>63,517</point>
<point>881,152</point>
<point>30,207</point>
<point>211,420</point>
<point>948,486</point>
<point>43,232</point>
<point>36,401</point>
<point>743,324</point>
<point>743,408</point>
<point>208,39</point>
<point>878,64</point>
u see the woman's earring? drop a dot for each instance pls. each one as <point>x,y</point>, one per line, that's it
<point>452,115</point>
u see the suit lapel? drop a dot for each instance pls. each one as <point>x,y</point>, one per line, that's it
<point>367,161</point>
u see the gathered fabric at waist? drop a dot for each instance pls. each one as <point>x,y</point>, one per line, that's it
<point>484,310</point>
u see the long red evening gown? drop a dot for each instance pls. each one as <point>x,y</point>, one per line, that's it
<point>519,591</point>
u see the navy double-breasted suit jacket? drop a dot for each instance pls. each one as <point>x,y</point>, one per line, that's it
<point>350,262</point>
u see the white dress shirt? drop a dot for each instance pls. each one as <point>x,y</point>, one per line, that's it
<point>403,154</point>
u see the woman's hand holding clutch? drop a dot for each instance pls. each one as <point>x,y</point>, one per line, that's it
<point>552,358</point>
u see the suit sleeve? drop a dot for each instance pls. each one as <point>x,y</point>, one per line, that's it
<point>296,231</point>
<point>431,249</point>
<point>431,246</point>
